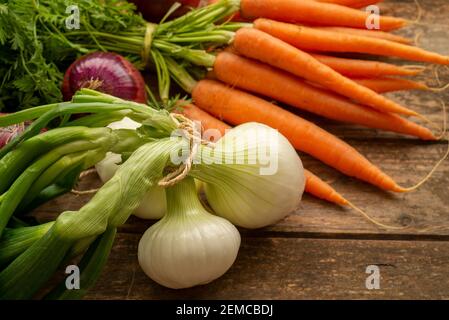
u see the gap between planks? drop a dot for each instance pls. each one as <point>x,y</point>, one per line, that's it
<point>320,235</point>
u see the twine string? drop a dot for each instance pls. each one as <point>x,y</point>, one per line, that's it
<point>193,134</point>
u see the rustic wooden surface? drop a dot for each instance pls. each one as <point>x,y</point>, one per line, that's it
<point>320,250</point>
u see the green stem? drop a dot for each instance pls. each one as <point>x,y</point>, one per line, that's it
<point>23,277</point>
<point>196,19</point>
<point>197,57</point>
<point>128,140</point>
<point>63,185</point>
<point>16,161</point>
<point>234,26</point>
<point>24,115</point>
<point>100,119</point>
<point>87,101</point>
<point>163,75</point>
<point>21,185</point>
<point>60,110</point>
<point>79,248</point>
<point>109,208</point>
<point>62,166</point>
<point>15,241</point>
<point>90,266</point>
<point>182,198</point>
<point>181,76</point>
<point>215,36</point>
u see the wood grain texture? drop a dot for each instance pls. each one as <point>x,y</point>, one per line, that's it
<point>320,250</point>
<point>290,268</point>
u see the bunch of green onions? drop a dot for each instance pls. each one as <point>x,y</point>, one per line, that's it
<point>109,208</point>
<point>34,163</point>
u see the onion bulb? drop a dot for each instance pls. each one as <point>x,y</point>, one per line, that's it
<point>9,133</point>
<point>106,72</point>
<point>263,188</point>
<point>155,10</point>
<point>188,246</point>
<point>153,205</point>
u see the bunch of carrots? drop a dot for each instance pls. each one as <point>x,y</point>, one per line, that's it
<point>286,54</point>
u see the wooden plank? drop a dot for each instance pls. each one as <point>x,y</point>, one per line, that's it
<point>290,268</point>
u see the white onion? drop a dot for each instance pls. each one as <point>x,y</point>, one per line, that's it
<point>188,246</point>
<point>239,192</point>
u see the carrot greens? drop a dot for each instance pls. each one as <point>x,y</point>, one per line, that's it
<point>37,42</point>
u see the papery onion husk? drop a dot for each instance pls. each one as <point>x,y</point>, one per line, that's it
<point>247,194</point>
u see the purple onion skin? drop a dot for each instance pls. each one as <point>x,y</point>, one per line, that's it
<point>9,133</point>
<point>155,10</point>
<point>106,72</point>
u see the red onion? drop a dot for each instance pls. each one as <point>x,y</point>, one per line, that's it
<point>155,10</point>
<point>9,133</point>
<point>106,72</point>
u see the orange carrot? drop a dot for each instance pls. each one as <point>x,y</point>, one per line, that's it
<point>368,33</point>
<point>382,85</point>
<point>251,75</point>
<point>313,12</point>
<point>319,40</point>
<point>320,189</point>
<point>207,121</point>
<point>237,107</point>
<point>352,3</point>
<point>261,46</point>
<point>366,68</point>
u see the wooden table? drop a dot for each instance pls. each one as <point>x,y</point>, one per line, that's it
<point>321,250</point>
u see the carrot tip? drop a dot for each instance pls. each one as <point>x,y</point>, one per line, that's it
<point>412,113</point>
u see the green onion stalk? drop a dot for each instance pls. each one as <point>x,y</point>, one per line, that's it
<point>16,240</point>
<point>39,39</point>
<point>32,163</point>
<point>100,105</point>
<point>48,168</point>
<point>37,165</point>
<point>90,266</point>
<point>108,209</point>
<point>63,184</point>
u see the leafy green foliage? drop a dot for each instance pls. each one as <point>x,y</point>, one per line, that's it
<point>36,46</point>
<point>34,52</point>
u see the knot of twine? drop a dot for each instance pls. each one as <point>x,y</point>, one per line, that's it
<point>147,42</point>
<point>193,134</point>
